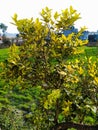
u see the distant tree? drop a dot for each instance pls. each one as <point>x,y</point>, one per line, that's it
<point>3,27</point>
<point>5,40</point>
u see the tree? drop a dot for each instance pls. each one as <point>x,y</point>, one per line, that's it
<point>3,27</point>
<point>5,40</point>
<point>61,91</point>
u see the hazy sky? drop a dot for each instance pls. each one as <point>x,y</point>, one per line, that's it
<point>31,8</point>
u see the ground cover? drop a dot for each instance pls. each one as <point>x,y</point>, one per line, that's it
<point>3,54</point>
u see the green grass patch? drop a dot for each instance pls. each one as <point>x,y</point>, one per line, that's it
<point>88,52</point>
<point>91,51</point>
<point>3,54</point>
<point>85,52</point>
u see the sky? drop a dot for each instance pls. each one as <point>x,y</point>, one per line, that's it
<point>88,10</point>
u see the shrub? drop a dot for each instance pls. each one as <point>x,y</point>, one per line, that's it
<point>61,91</point>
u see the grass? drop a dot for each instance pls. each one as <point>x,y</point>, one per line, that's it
<point>88,51</point>
<point>91,51</point>
<point>3,54</point>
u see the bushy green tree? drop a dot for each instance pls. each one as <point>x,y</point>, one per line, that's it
<point>61,91</point>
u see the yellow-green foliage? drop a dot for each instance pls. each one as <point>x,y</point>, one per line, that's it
<point>52,98</point>
<point>67,89</point>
